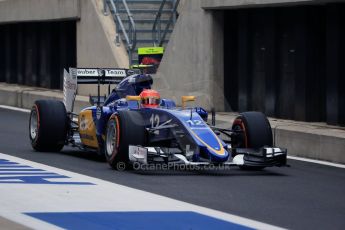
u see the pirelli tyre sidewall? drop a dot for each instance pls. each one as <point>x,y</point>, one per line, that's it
<point>123,129</point>
<point>112,141</point>
<point>256,132</point>
<point>48,125</point>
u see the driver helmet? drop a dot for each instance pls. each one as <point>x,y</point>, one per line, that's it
<point>149,98</point>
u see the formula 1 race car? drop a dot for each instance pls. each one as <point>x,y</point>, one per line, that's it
<point>133,125</point>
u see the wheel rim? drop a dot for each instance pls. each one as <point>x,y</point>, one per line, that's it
<point>34,125</point>
<point>111,142</point>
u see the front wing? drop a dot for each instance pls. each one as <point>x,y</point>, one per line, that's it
<point>263,157</point>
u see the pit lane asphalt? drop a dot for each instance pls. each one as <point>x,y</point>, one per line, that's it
<point>304,196</point>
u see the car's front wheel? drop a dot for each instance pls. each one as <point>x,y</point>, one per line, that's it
<point>123,129</point>
<point>254,131</point>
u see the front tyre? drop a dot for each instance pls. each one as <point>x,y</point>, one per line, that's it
<point>254,131</point>
<point>123,129</point>
<point>48,125</point>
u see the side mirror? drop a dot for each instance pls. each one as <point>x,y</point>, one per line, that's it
<point>187,99</point>
<point>134,98</point>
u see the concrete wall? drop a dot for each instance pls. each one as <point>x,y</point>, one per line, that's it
<point>193,60</point>
<point>38,10</point>
<point>24,96</point>
<point>95,38</point>
<point>95,42</point>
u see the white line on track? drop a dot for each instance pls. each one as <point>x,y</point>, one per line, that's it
<point>317,162</point>
<point>289,157</point>
<point>15,108</point>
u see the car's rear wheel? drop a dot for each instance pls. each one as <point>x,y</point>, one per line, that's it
<point>254,131</point>
<point>48,125</point>
<point>123,129</point>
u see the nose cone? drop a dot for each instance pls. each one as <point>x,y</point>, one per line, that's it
<point>211,145</point>
<point>216,157</point>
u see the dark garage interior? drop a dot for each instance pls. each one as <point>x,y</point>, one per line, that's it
<point>35,53</point>
<point>287,62</point>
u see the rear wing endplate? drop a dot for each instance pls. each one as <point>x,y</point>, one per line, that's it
<point>97,76</point>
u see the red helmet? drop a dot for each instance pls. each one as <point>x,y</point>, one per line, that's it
<point>150,98</point>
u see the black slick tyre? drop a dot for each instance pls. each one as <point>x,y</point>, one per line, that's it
<point>123,129</point>
<point>255,132</point>
<point>48,125</point>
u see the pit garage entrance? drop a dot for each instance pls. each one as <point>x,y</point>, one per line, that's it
<point>35,53</point>
<point>288,62</point>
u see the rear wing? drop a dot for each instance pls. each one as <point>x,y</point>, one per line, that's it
<point>95,76</point>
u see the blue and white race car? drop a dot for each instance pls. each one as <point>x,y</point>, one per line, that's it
<point>133,125</point>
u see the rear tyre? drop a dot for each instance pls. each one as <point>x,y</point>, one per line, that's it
<point>256,132</point>
<point>123,129</point>
<point>48,125</point>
